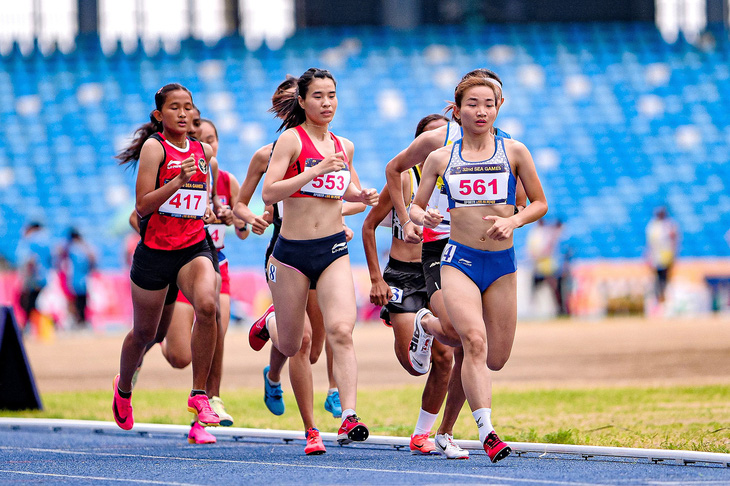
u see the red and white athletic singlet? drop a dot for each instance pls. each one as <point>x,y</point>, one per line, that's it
<point>332,185</point>
<point>217,229</point>
<point>439,199</point>
<point>178,222</point>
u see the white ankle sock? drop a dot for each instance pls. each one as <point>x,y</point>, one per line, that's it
<point>272,383</point>
<point>331,391</point>
<point>483,418</point>
<point>347,413</point>
<point>425,422</point>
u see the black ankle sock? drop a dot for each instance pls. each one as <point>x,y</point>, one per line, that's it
<point>124,394</point>
<point>194,392</point>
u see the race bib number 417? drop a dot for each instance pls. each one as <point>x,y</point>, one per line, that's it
<point>188,202</point>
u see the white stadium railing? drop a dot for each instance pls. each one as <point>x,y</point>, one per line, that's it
<point>518,448</point>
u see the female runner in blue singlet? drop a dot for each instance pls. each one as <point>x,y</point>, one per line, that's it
<point>478,265</point>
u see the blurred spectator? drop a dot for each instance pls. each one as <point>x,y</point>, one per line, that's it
<point>564,282</point>
<point>77,260</point>
<point>33,256</point>
<point>543,249</point>
<point>662,241</point>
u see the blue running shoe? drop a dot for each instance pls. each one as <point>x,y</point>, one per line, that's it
<point>332,404</point>
<point>273,395</point>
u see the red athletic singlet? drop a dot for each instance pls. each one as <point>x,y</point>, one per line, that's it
<point>178,222</point>
<point>217,229</point>
<point>332,185</point>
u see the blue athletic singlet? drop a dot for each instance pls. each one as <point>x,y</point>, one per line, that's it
<point>439,198</point>
<point>482,183</point>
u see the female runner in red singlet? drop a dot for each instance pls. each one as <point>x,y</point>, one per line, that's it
<point>172,199</point>
<point>310,171</point>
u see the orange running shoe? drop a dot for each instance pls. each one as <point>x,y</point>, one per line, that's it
<point>421,445</point>
<point>314,446</point>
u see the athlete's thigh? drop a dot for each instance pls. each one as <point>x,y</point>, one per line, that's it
<point>336,293</point>
<point>225,302</point>
<point>147,307</point>
<point>402,324</point>
<point>289,289</point>
<point>438,307</point>
<point>316,320</point>
<point>177,340</point>
<point>500,316</point>
<point>197,281</point>
<point>463,302</point>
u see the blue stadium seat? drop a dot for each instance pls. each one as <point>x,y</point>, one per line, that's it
<point>614,159</point>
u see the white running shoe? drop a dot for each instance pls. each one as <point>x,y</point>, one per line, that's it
<point>445,445</point>
<point>419,352</point>
<point>217,405</point>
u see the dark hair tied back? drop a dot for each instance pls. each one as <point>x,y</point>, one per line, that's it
<point>288,108</point>
<point>131,154</point>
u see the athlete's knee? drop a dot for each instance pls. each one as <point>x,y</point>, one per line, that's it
<point>205,312</point>
<point>441,360</point>
<point>178,361</point>
<point>402,357</point>
<point>496,362</point>
<point>306,345</point>
<point>340,334</point>
<point>474,343</point>
<point>289,347</point>
<point>146,336</point>
<point>314,353</point>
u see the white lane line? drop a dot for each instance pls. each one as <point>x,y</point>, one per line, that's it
<point>310,466</point>
<point>95,478</point>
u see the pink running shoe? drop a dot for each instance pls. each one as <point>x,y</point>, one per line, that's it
<point>200,405</point>
<point>198,435</point>
<point>495,448</point>
<point>258,334</point>
<point>352,430</point>
<point>122,408</point>
<point>314,446</point>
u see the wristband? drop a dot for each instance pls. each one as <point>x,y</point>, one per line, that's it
<point>243,228</point>
<point>409,221</point>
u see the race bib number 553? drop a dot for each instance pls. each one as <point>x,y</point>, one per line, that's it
<point>332,185</point>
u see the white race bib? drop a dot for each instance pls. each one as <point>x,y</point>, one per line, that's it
<point>479,187</point>
<point>188,202</point>
<point>448,253</point>
<point>397,295</point>
<point>217,234</point>
<point>332,185</point>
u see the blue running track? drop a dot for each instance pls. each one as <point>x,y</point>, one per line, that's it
<point>32,454</point>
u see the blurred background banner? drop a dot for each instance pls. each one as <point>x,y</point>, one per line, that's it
<point>624,106</point>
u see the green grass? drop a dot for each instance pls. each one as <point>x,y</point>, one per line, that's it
<point>687,418</point>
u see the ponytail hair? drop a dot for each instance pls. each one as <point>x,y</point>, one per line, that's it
<point>130,155</point>
<point>287,106</point>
